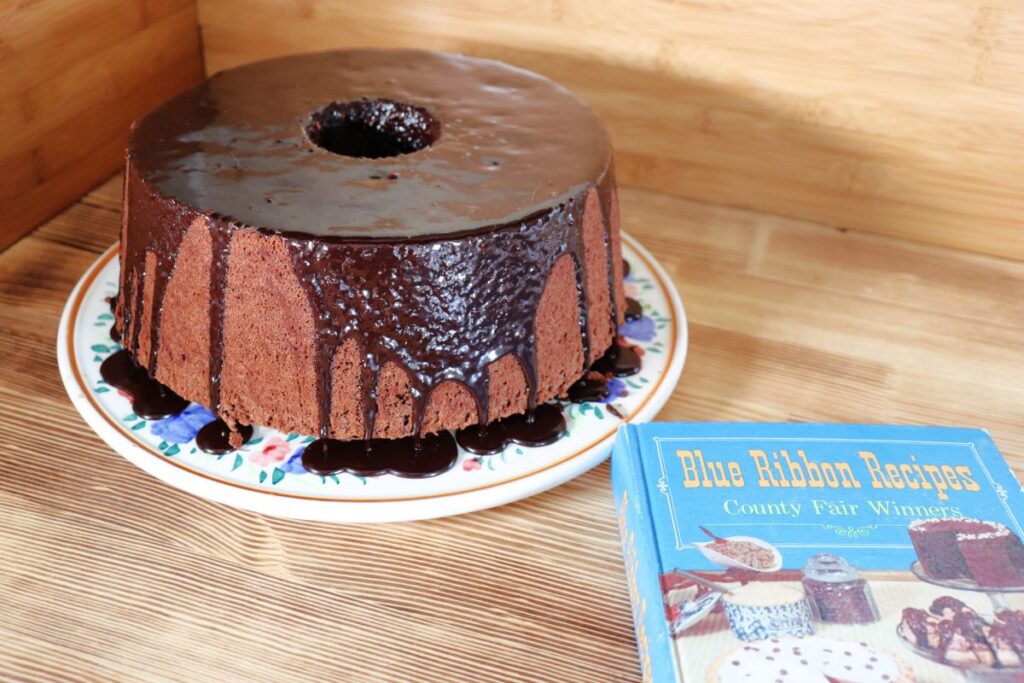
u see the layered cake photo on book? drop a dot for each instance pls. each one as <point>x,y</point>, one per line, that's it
<point>821,553</point>
<point>987,553</point>
<point>374,248</point>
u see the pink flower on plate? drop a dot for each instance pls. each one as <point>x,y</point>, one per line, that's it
<point>631,288</point>
<point>471,464</point>
<point>275,450</point>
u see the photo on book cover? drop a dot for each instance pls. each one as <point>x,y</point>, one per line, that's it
<point>847,558</point>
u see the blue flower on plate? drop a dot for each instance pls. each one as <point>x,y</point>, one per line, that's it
<point>293,465</point>
<point>184,426</point>
<point>616,389</point>
<point>641,329</point>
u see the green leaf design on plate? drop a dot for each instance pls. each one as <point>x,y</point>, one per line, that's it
<point>278,476</point>
<point>163,445</point>
<point>192,451</point>
<point>519,451</point>
<point>96,359</point>
<point>130,417</point>
<point>253,442</point>
<point>334,478</point>
<point>139,425</point>
<point>308,439</point>
<point>105,316</point>
<point>101,390</point>
<point>237,463</point>
<point>597,411</point>
<point>263,476</point>
<point>100,348</point>
<point>173,450</point>
<point>292,437</point>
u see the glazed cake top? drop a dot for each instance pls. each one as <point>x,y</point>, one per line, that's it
<point>461,144</point>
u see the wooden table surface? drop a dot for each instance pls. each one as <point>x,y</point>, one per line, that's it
<point>106,574</point>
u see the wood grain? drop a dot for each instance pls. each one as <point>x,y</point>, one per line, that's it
<point>896,118</point>
<point>74,74</point>
<point>106,574</point>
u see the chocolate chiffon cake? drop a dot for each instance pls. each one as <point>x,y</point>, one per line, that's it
<point>369,244</point>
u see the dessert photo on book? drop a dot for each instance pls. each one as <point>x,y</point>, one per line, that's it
<point>832,553</point>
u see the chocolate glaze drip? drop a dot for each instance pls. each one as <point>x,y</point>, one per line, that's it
<point>150,399</point>
<point>619,361</point>
<point>967,625</point>
<point>453,243</point>
<point>946,602</point>
<point>605,198</point>
<point>115,334</point>
<point>960,623</point>
<point>481,281</point>
<point>626,269</point>
<point>408,457</point>
<point>170,220</point>
<point>917,621</point>
<point>590,388</point>
<point>541,426</point>
<point>634,311</point>
<point>215,437</point>
<point>1010,630</point>
<point>221,245</point>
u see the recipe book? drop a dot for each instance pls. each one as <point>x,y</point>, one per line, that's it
<point>821,553</point>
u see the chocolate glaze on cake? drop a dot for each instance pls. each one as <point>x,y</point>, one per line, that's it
<point>370,243</point>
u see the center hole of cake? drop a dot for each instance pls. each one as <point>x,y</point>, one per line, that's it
<point>372,129</point>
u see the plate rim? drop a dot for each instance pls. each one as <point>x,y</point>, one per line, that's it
<point>347,510</point>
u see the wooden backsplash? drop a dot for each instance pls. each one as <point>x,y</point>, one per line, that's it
<point>905,118</point>
<point>73,76</point>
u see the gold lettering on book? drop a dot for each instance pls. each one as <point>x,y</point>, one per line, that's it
<point>632,581</point>
<point>917,476</point>
<point>698,472</point>
<point>797,470</point>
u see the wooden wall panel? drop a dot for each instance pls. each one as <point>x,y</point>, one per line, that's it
<point>899,118</point>
<point>73,76</point>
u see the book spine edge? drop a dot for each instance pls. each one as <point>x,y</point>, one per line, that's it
<point>642,560</point>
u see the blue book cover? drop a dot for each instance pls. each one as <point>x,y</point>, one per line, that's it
<point>821,553</point>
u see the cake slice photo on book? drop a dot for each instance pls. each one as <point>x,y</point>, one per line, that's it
<point>821,553</point>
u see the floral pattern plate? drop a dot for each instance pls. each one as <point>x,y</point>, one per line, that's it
<point>266,474</point>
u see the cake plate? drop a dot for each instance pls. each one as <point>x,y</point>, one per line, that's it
<point>266,474</point>
<point>995,593</point>
<point>972,674</point>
